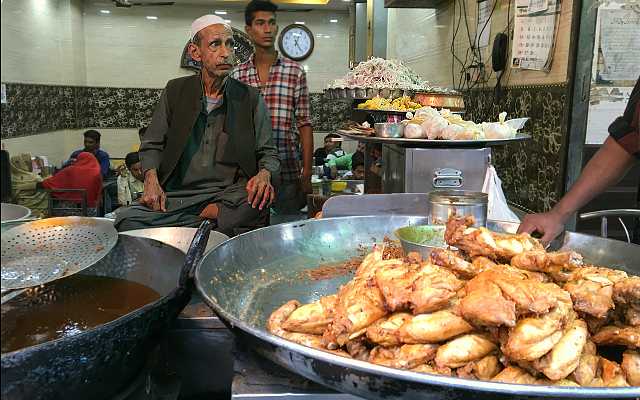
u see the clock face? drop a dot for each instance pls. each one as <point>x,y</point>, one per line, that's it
<point>296,42</point>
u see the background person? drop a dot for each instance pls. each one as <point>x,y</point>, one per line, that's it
<point>320,155</point>
<point>208,151</point>
<point>357,167</point>
<point>141,132</point>
<point>130,180</point>
<point>85,174</point>
<point>619,152</point>
<point>344,162</point>
<point>283,85</point>
<point>91,145</point>
<point>22,175</point>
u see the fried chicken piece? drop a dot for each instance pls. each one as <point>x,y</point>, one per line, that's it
<point>407,356</point>
<point>460,351</point>
<point>431,368</point>
<point>591,289</point>
<point>448,259</point>
<point>531,338</point>
<point>500,293</point>
<point>432,328</point>
<point>627,291</point>
<point>542,261</point>
<point>433,289</point>
<point>631,367</point>
<point>413,258</point>
<point>632,315</point>
<point>385,330</point>
<point>395,279</point>
<point>624,335</point>
<point>311,318</point>
<point>368,265</point>
<point>483,242</point>
<point>514,374</point>
<point>279,316</point>
<point>612,374</point>
<point>564,358</point>
<point>587,368</point>
<point>359,304</point>
<point>358,349</point>
<point>483,369</point>
<point>562,382</point>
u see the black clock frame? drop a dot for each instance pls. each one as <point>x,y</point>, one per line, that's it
<point>288,28</point>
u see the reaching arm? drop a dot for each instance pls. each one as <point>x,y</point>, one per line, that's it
<point>153,196</point>
<point>607,167</point>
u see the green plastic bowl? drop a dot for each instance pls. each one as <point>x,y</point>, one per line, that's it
<point>421,239</point>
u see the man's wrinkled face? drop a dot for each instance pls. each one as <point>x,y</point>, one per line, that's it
<point>263,29</point>
<point>215,51</point>
<point>91,145</point>
<point>358,173</point>
<point>136,171</point>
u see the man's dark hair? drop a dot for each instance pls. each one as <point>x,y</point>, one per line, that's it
<point>258,5</point>
<point>93,134</point>
<point>357,159</point>
<point>131,159</point>
<point>331,135</point>
<point>142,130</point>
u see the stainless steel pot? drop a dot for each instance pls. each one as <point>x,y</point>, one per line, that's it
<point>443,202</point>
<point>247,277</point>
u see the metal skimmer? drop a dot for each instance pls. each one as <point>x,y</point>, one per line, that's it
<point>41,251</point>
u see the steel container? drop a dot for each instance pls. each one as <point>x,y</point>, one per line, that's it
<point>388,130</point>
<point>443,203</point>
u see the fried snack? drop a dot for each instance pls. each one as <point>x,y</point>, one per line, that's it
<point>395,279</point>
<point>542,261</point>
<point>279,316</point>
<point>359,304</point>
<point>631,367</point>
<point>385,330</point>
<point>368,265</point>
<point>623,335</point>
<point>587,368</point>
<point>513,374</point>
<point>311,318</point>
<point>483,242</point>
<point>591,289</point>
<point>406,356</point>
<point>446,258</point>
<point>612,375</point>
<point>483,369</point>
<point>432,328</point>
<point>431,368</point>
<point>564,358</point>
<point>460,351</point>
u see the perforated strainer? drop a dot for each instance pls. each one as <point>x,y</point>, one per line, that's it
<point>41,251</point>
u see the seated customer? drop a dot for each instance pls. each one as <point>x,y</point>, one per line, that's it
<point>85,174</point>
<point>208,152</point>
<point>320,155</point>
<point>91,145</point>
<point>141,132</point>
<point>130,180</point>
<point>357,167</point>
<point>22,174</point>
<point>342,162</point>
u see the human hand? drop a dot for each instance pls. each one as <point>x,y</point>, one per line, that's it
<point>40,162</point>
<point>261,193</point>
<point>548,224</point>
<point>153,196</point>
<point>122,170</point>
<point>71,160</point>
<point>334,172</point>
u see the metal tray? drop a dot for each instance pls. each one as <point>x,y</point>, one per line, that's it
<point>426,143</point>
<point>247,277</point>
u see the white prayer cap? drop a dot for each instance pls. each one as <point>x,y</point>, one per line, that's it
<point>205,21</point>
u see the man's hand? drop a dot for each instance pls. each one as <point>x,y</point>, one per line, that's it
<point>40,163</point>
<point>153,196</point>
<point>261,193</point>
<point>122,170</point>
<point>305,183</point>
<point>549,224</point>
<point>71,160</point>
<point>334,172</point>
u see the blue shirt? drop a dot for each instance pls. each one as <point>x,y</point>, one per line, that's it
<point>101,156</point>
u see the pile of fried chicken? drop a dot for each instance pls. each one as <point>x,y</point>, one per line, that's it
<point>498,309</point>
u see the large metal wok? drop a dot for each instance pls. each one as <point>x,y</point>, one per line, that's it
<point>247,277</point>
<point>96,363</point>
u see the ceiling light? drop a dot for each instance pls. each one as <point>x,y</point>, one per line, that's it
<point>221,12</point>
<point>299,23</point>
<point>326,37</point>
<point>151,17</point>
<point>333,20</point>
<point>105,11</point>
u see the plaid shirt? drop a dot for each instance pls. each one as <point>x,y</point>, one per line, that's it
<point>288,101</point>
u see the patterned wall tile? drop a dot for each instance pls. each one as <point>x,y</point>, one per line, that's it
<point>530,169</point>
<point>328,115</point>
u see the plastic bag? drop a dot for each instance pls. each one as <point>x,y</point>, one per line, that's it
<point>497,207</point>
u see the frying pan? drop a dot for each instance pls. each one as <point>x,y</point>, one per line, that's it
<point>247,277</point>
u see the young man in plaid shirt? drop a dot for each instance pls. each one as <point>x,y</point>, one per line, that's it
<point>283,85</point>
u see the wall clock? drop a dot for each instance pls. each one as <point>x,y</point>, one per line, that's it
<point>296,42</point>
